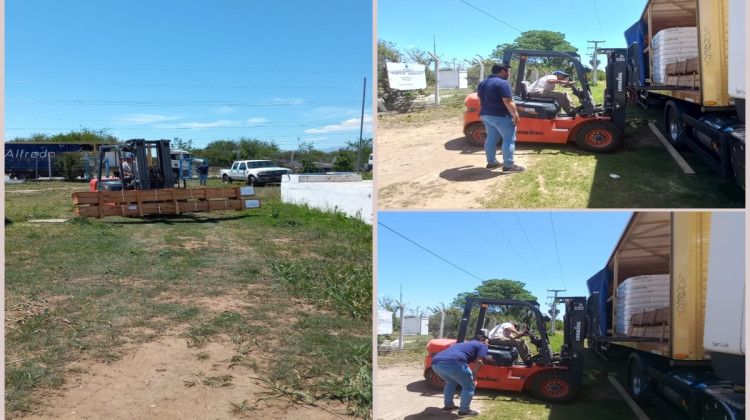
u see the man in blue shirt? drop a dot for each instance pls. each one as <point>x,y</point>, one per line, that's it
<point>500,117</point>
<point>452,364</point>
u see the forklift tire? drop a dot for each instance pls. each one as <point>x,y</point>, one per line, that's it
<point>637,378</point>
<point>476,134</point>
<point>555,387</point>
<point>599,137</point>
<point>434,380</point>
<point>226,179</point>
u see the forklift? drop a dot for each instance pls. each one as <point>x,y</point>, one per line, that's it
<point>551,377</point>
<point>594,127</point>
<point>146,176</point>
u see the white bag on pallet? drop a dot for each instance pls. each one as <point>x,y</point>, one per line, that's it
<point>640,294</point>
<point>670,46</point>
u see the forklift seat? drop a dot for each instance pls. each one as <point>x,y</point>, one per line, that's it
<point>501,355</point>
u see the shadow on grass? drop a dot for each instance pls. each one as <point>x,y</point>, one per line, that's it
<point>177,219</point>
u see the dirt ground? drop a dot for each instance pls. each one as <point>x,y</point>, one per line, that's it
<point>407,177</point>
<point>403,394</point>
<point>166,379</point>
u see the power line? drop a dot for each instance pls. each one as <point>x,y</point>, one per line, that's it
<point>434,254</point>
<point>512,246</point>
<point>597,17</point>
<point>493,17</point>
<point>557,251</point>
<point>531,246</point>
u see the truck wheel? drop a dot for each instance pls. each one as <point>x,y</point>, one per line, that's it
<point>226,179</point>
<point>673,124</point>
<point>737,158</point>
<point>599,137</point>
<point>434,380</point>
<point>252,181</point>
<point>637,378</point>
<point>476,134</point>
<point>555,387</point>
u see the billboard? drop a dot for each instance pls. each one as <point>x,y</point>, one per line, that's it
<point>406,76</point>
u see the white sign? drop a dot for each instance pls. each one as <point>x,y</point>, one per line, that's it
<point>406,76</point>
<point>385,322</point>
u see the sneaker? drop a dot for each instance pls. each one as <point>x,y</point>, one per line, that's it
<point>514,168</point>
<point>450,408</point>
<point>495,165</point>
<point>470,413</point>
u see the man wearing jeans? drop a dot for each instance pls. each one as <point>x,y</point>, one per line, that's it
<point>500,117</point>
<point>452,364</point>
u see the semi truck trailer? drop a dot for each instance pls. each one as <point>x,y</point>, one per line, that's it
<point>669,304</point>
<point>688,58</point>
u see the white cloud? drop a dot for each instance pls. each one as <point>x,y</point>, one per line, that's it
<point>221,123</point>
<point>348,125</point>
<point>288,101</point>
<point>257,120</point>
<point>223,110</point>
<point>144,118</point>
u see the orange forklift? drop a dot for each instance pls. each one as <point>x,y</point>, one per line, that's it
<point>594,127</point>
<point>551,377</point>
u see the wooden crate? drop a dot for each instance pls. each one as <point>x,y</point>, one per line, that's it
<point>166,201</point>
<point>636,319</point>
<point>648,317</point>
<point>662,316</point>
<point>680,67</point>
<point>692,81</point>
<point>658,332</point>
<point>671,69</point>
<point>636,331</point>
<point>692,65</point>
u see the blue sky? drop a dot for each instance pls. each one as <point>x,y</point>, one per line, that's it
<point>545,250</point>
<point>463,29</point>
<point>197,70</point>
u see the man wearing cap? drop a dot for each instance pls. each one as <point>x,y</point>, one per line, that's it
<point>127,166</point>
<point>545,87</point>
<point>500,117</point>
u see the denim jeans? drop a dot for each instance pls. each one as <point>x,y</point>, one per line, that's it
<point>203,178</point>
<point>453,375</point>
<point>496,127</point>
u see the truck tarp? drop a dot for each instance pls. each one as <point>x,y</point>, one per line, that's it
<point>636,34</point>
<point>599,283</point>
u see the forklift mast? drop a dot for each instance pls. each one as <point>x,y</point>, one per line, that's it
<point>615,94</point>
<point>145,176</point>
<point>575,332</point>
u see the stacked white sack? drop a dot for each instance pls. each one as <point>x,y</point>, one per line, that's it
<point>640,294</point>
<point>673,45</point>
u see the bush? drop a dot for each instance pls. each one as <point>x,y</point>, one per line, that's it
<point>70,165</point>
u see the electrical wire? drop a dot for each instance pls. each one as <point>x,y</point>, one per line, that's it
<point>544,274</point>
<point>557,251</point>
<point>513,247</point>
<point>493,17</point>
<point>434,254</point>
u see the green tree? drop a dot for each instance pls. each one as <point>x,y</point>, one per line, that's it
<point>451,323</point>
<point>495,288</point>
<point>178,143</point>
<point>539,40</point>
<point>257,149</point>
<point>221,153</point>
<point>70,165</point>
<point>343,164</point>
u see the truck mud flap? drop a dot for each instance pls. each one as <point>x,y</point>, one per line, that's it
<point>719,163</point>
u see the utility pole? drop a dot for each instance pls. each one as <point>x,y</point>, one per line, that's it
<point>594,56</point>
<point>437,77</point>
<point>481,67</point>
<point>554,309</point>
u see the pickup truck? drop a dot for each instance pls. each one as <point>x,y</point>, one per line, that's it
<point>254,172</point>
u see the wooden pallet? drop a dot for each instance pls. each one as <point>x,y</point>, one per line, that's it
<point>652,324</point>
<point>139,203</point>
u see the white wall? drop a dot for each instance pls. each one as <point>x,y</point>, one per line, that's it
<point>347,193</point>
<point>415,326</point>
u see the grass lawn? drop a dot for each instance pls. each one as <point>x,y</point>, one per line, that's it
<point>80,291</point>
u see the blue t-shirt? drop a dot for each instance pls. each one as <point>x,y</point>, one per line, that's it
<point>461,353</point>
<point>491,92</point>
